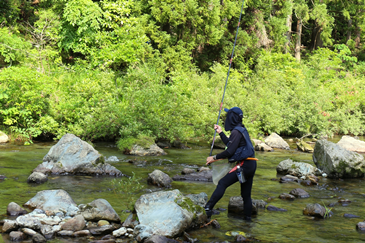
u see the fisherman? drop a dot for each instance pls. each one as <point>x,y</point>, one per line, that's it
<point>237,141</point>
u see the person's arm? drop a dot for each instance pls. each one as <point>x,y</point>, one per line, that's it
<point>224,138</point>
<point>234,141</point>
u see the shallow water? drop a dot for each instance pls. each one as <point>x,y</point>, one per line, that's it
<point>17,162</point>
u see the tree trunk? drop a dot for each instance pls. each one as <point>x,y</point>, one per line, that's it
<point>349,27</point>
<point>298,43</point>
<point>358,35</point>
<point>316,38</point>
<point>288,33</point>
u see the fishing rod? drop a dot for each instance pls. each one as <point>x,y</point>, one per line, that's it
<point>225,87</point>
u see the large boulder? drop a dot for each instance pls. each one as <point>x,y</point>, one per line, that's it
<point>338,162</point>
<point>53,201</point>
<point>71,155</point>
<point>99,209</point>
<point>275,141</point>
<point>3,137</point>
<point>298,169</point>
<point>159,178</point>
<point>152,150</point>
<point>166,213</point>
<point>352,144</point>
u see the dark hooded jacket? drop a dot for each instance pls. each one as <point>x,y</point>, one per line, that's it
<point>236,139</point>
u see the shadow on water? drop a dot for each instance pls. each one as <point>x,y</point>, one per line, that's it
<point>17,162</point>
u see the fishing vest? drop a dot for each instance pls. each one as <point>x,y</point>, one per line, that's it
<point>243,152</point>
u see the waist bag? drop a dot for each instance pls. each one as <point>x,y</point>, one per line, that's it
<point>243,152</point>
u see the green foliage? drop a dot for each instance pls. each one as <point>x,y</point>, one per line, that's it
<point>127,188</point>
<point>12,47</point>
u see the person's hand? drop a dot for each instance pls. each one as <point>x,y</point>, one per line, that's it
<point>210,159</point>
<point>217,128</point>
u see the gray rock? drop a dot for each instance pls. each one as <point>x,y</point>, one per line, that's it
<point>299,193</point>
<point>99,209</point>
<point>263,147</point>
<point>361,226</point>
<point>275,141</point>
<point>304,146</point>
<point>256,141</point>
<point>65,233</point>
<point>287,196</point>
<point>38,238</point>
<point>199,199</point>
<point>288,178</point>
<point>315,210</point>
<point>37,177</point>
<point>17,236</point>
<point>167,213</point>
<point>120,232</point>
<point>235,205</point>
<point>203,168</point>
<point>102,230</point>
<point>81,233</point>
<point>75,224</point>
<point>2,177</point>
<point>29,232</point>
<point>112,159</point>
<point>14,209</point>
<point>3,137</point>
<point>160,239</point>
<point>10,225</point>
<point>352,144</point>
<point>29,221</point>
<point>71,155</point>
<point>53,201</point>
<point>273,208</point>
<point>159,178</point>
<point>47,231</point>
<point>348,215</point>
<point>338,162</point>
<point>297,169</point>
<point>131,221</point>
<point>152,150</point>
<point>187,171</point>
<point>197,176</point>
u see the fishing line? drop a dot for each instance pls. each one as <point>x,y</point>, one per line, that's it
<point>225,87</point>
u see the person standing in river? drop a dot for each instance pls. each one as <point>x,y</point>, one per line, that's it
<point>236,142</point>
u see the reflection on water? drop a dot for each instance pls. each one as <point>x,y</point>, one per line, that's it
<point>17,162</point>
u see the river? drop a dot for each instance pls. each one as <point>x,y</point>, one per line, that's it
<point>17,162</point>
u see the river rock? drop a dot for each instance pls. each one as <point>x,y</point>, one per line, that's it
<point>3,137</point>
<point>38,238</point>
<point>152,150</point>
<point>235,205</point>
<point>17,236</point>
<point>361,226</point>
<point>48,231</point>
<point>338,162</point>
<point>288,178</point>
<point>37,177</point>
<point>29,232</point>
<point>352,144</point>
<point>197,176</point>
<point>14,209</point>
<point>10,225</point>
<point>166,213</point>
<point>53,201</point>
<point>120,232</point>
<point>273,208</point>
<point>159,178</point>
<point>263,147</point>
<point>297,169</point>
<point>65,233</point>
<point>304,146</point>
<point>131,221</point>
<point>160,239</point>
<point>187,171</point>
<point>74,224</point>
<point>28,221</point>
<point>287,196</point>
<point>2,177</point>
<point>299,193</point>
<point>102,230</point>
<point>99,209</point>
<point>112,159</point>
<point>315,210</point>
<point>81,233</point>
<point>198,199</point>
<point>71,155</point>
<point>348,215</point>
<point>275,141</point>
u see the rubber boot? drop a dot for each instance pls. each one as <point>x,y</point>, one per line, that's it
<point>208,210</point>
